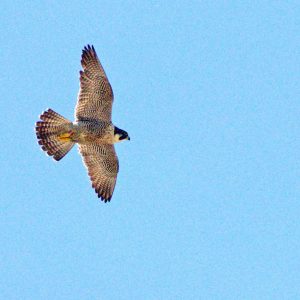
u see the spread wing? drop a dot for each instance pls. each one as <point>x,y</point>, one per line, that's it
<point>103,166</point>
<point>95,96</point>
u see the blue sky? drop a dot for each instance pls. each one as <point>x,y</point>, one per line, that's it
<point>207,199</point>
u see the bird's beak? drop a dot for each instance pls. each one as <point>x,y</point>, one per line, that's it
<point>128,138</point>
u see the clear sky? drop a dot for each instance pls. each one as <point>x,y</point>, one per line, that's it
<point>207,202</point>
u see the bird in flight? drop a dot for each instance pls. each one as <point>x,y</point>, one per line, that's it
<point>92,129</point>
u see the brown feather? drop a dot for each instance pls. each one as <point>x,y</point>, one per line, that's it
<point>47,132</point>
<point>95,96</point>
<point>102,164</point>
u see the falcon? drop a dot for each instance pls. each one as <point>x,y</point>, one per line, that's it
<point>92,129</point>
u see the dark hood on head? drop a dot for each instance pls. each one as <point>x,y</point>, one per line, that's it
<point>120,131</point>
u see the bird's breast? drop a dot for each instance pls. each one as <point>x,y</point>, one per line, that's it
<point>87,132</point>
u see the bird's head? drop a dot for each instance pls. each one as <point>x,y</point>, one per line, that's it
<point>120,135</point>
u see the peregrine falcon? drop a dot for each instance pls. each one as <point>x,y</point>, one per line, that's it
<point>92,129</point>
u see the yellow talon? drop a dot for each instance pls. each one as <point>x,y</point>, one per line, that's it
<point>66,137</point>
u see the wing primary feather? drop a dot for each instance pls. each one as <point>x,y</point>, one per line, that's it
<point>95,96</point>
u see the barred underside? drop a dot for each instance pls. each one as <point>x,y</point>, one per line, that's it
<point>103,166</point>
<point>95,96</point>
<point>48,131</point>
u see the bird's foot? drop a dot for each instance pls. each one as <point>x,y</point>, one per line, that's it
<point>66,137</point>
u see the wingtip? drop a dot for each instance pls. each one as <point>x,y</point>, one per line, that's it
<point>102,198</point>
<point>88,48</point>
<point>88,52</point>
<point>101,195</point>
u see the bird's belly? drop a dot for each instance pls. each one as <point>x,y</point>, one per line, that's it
<point>89,138</point>
<point>87,133</point>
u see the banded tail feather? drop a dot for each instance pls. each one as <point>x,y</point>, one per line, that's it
<point>53,133</point>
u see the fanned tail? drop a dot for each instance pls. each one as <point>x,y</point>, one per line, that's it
<point>54,134</point>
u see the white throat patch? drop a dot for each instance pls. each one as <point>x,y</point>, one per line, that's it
<point>117,138</point>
